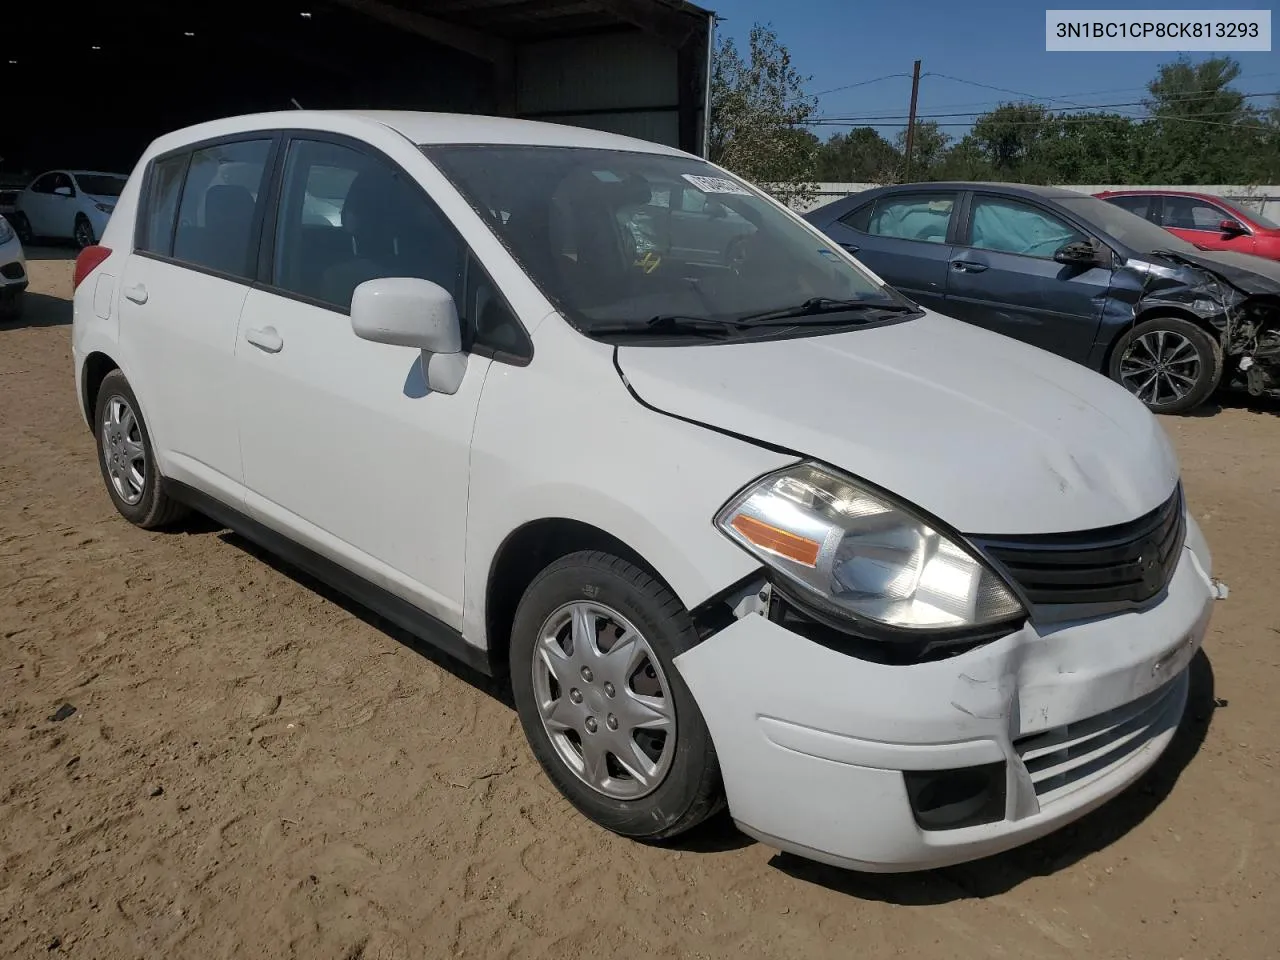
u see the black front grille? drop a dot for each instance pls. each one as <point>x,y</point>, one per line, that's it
<point>1128,563</point>
<point>12,271</point>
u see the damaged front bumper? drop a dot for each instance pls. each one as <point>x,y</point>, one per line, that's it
<point>892,768</point>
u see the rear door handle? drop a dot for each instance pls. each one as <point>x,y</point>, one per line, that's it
<point>968,266</point>
<point>136,292</point>
<point>851,247</point>
<point>265,338</point>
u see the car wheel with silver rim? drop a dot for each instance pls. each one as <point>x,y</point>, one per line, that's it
<point>83,232</point>
<point>604,708</point>
<point>127,459</point>
<point>1169,363</point>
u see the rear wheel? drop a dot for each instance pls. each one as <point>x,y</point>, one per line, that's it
<point>601,702</point>
<point>83,234</point>
<point>11,304</point>
<point>127,459</point>
<point>1168,363</point>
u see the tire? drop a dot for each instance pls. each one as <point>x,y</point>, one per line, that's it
<point>680,785</point>
<point>123,442</point>
<point>83,232</point>
<point>1168,363</point>
<point>22,227</point>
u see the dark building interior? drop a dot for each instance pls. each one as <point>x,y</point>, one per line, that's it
<point>90,84</point>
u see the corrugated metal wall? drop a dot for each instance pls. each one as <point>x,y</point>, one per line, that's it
<point>624,84</point>
<point>1263,198</point>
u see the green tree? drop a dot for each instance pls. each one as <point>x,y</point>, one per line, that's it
<point>928,149</point>
<point>1012,136</point>
<point>758,109</point>
<point>859,156</point>
<point>1193,112</point>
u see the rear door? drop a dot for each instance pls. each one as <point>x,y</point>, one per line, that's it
<point>1003,277</point>
<point>36,203</point>
<point>906,238</point>
<point>1200,222</point>
<point>182,290</point>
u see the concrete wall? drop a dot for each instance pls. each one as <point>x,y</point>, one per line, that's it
<point>1265,199</point>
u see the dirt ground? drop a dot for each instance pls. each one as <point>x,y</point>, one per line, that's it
<point>256,769</point>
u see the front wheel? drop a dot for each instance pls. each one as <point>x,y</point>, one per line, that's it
<point>606,712</point>
<point>1168,363</point>
<point>83,235</point>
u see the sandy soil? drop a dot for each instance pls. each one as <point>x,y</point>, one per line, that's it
<point>255,769</point>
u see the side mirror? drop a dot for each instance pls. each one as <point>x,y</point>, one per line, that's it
<point>409,312</point>
<point>64,191</point>
<point>1081,253</point>
<point>715,209</point>
<point>1234,227</point>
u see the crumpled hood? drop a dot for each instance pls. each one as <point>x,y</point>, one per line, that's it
<point>1252,275</point>
<point>984,432</point>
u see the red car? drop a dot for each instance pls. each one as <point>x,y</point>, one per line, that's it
<point>1211,223</point>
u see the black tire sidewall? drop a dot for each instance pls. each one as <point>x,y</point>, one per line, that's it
<point>1210,352</point>
<point>81,219</point>
<point>141,513</point>
<point>691,788</point>
<point>22,227</point>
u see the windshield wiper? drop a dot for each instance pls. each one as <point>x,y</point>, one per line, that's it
<point>816,306</point>
<point>668,323</point>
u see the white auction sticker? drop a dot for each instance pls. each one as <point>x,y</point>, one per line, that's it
<point>1180,31</point>
<point>716,185</point>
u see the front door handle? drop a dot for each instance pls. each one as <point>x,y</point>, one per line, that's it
<point>968,266</point>
<point>136,292</point>
<point>265,338</point>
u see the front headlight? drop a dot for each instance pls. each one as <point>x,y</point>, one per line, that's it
<point>6,231</point>
<point>855,555</point>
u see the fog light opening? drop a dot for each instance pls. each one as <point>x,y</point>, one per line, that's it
<point>950,799</point>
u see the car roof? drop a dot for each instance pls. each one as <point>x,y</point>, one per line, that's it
<point>1013,189</point>
<point>425,128</point>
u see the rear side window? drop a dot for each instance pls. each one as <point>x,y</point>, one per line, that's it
<point>347,216</point>
<point>155,232</point>
<point>859,219</point>
<point>1142,206</point>
<point>220,199</point>
<point>917,216</point>
<point>43,184</point>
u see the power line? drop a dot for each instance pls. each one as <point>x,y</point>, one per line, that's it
<point>845,122</point>
<point>1092,106</point>
<point>862,83</point>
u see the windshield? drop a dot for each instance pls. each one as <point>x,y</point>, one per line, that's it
<point>616,237</point>
<point>1133,231</point>
<point>100,185</point>
<point>1266,223</point>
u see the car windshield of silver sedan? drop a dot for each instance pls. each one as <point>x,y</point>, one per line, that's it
<point>650,244</point>
<point>101,185</point>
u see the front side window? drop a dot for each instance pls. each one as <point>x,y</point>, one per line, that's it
<point>590,227</point>
<point>1190,213</point>
<point>1010,226</point>
<point>347,216</point>
<point>220,198</point>
<point>920,216</point>
<point>63,182</point>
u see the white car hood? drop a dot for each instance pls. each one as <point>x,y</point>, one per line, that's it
<point>984,432</point>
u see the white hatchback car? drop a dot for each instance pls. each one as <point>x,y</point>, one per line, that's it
<point>68,205</point>
<point>753,530</point>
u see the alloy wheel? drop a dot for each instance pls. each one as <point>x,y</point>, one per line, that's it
<point>1160,367</point>
<point>123,451</point>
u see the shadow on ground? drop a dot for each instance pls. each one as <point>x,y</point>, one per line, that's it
<point>40,310</point>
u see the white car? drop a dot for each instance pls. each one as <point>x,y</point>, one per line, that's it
<point>900,591</point>
<point>13,272</point>
<point>67,205</point>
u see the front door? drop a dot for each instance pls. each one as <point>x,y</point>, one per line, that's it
<point>1003,277</point>
<point>345,449</point>
<point>181,293</point>
<point>1200,222</point>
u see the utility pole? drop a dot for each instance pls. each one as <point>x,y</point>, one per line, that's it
<point>911,120</point>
